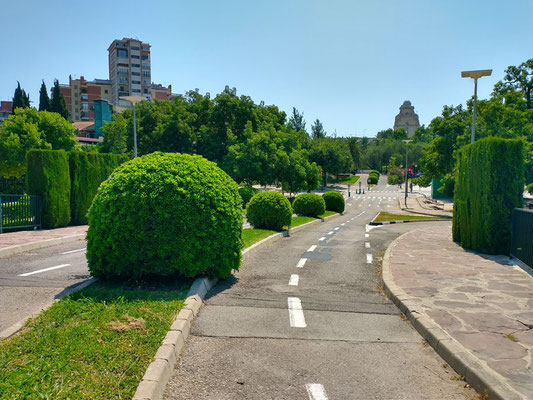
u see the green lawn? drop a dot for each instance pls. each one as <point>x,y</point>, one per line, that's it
<point>386,216</point>
<point>351,180</point>
<point>93,344</point>
<point>300,220</point>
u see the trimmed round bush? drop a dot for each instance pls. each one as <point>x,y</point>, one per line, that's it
<point>164,214</point>
<point>269,210</point>
<point>334,201</point>
<point>246,193</point>
<point>309,204</point>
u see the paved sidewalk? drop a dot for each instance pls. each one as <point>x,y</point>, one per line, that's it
<point>9,239</point>
<point>481,301</point>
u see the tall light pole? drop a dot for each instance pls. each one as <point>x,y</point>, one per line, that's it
<point>475,75</point>
<point>133,100</point>
<point>406,176</point>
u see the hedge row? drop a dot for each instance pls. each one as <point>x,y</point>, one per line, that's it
<point>87,172</point>
<point>489,184</point>
<point>67,182</point>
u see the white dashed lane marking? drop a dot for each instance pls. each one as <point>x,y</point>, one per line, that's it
<point>330,233</point>
<point>293,281</point>
<point>322,238</point>
<point>369,258</point>
<point>367,245</point>
<point>296,313</point>
<point>316,391</point>
<point>72,251</point>
<point>301,263</point>
<point>312,248</point>
<point>45,270</point>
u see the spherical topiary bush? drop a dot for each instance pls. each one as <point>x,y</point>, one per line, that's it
<point>334,201</point>
<point>246,193</point>
<point>269,210</point>
<point>162,214</point>
<point>309,204</point>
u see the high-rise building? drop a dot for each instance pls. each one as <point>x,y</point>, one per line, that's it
<point>129,69</point>
<point>80,95</point>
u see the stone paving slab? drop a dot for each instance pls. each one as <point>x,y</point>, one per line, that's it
<point>9,239</point>
<point>484,302</point>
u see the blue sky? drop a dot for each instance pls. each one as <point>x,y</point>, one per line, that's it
<point>349,63</point>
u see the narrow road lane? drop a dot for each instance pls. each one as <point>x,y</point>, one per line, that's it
<point>305,319</point>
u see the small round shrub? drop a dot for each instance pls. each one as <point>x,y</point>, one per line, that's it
<point>246,193</point>
<point>162,214</point>
<point>334,201</point>
<point>269,210</point>
<point>309,204</point>
<point>372,180</point>
<point>374,172</point>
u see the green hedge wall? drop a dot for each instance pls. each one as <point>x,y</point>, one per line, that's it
<point>47,175</point>
<point>489,184</point>
<point>87,172</point>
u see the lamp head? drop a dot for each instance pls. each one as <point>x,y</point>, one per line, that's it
<point>476,74</point>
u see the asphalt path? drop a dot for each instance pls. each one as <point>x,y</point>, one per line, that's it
<point>32,280</point>
<point>285,328</point>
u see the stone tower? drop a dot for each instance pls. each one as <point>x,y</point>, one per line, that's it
<point>407,119</point>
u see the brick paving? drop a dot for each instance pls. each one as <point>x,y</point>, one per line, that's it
<point>9,239</point>
<point>484,302</point>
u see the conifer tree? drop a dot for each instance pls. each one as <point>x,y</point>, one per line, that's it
<point>44,100</point>
<point>58,103</point>
<point>20,98</point>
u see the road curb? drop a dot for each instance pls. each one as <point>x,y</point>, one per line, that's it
<point>466,364</point>
<point>158,373</point>
<point>9,251</point>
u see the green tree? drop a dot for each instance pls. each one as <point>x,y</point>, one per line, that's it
<point>333,155</point>
<point>297,121</point>
<point>20,98</point>
<point>115,133</point>
<point>317,130</point>
<point>517,78</point>
<point>44,100</point>
<point>57,103</point>
<point>29,129</point>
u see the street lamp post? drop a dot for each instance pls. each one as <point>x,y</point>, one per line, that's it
<point>475,75</point>
<point>133,100</point>
<point>406,176</point>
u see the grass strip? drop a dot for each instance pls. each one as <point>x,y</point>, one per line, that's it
<point>351,180</point>
<point>93,344</point>
<point>386,216</point>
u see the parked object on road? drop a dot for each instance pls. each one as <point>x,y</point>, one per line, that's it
<point>334,201</point>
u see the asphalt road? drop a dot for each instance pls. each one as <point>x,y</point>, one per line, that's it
<point>32,280</point>
<point>284,328</point>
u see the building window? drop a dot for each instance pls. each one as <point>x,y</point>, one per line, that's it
<point>134,48</point>
<point>146,91</point>
<point>106,91</point>
<point>84,97</point>
<point>122,65</point>
<point>122,79</point>
<point>76,110</point>
<point>146,74</point>
<point>123,71</point>
<point>136,90</point>
<point>136,65</point>
<point>136,74</point>
<point>76,102</point>
<point>135,57</point>
<point>121,45</point>
<point>147,48</point>
<point>146,66</point>
<point>122,53</point>
<point>146,82</point>
<point>136,82</point>
<point>85,106</point>
<point>144,57</point>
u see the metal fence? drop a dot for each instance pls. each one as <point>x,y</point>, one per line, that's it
<point>522,235</point>
<point>20,211</point>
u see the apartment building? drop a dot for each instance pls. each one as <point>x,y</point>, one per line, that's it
<point>160,92</point>
<point>5,110</point>
<point>80,95</point>
<point>129,70</point>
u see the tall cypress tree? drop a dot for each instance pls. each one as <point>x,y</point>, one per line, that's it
<point>20,98</point>
<point>58,103</point>
<point>44,100</point>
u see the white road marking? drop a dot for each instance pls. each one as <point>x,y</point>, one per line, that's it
<point>316,391</point>
<point>296,313</point>
<point>73,251</point>
<point>369,258</point>
<point>330,233</point>
<point>367,235</point>
<point>343,224</point>
<point>322,238</point>
<point>336,229</point>
<point>45,270</point>
<point>312,248</point>
<point>293,281</point>
<point>350,205</point>
<point>301,263</point>
<point>367,245</point>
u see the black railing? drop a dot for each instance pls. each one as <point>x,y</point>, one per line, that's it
<point>20,211</point>
<point>522,235</point>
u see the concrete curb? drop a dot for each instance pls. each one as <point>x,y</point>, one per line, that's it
<point>466,364</point>
<point>9,251</point>
<point>373,222</point>
<point>158,373</point>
